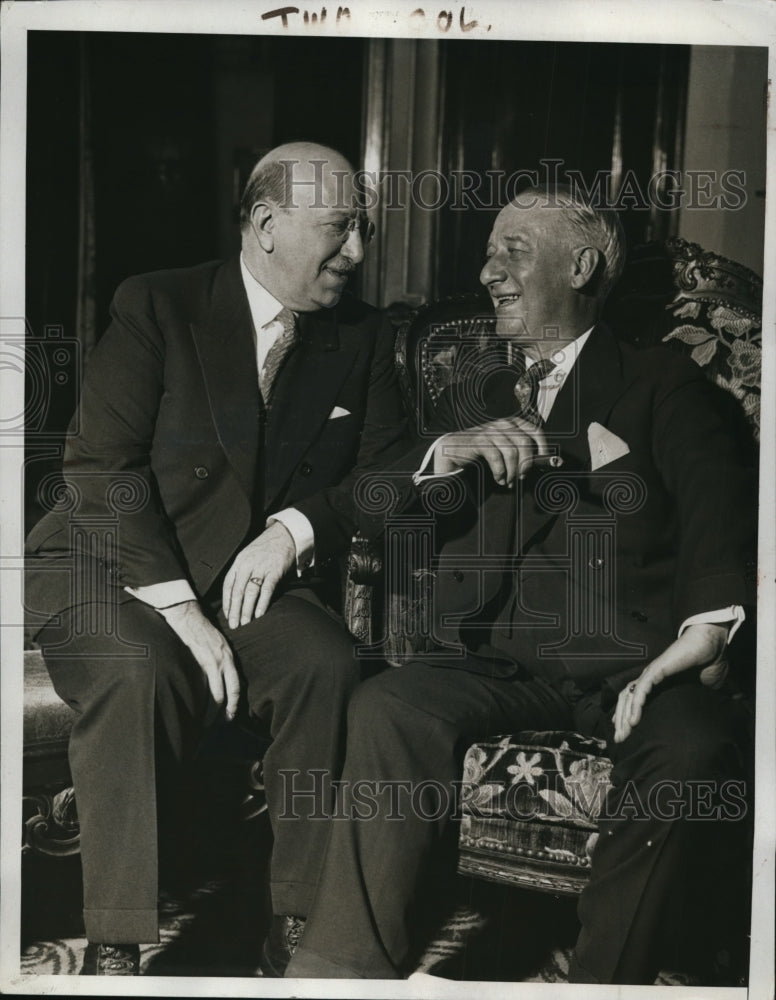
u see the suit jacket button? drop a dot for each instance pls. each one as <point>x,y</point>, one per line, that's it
<point>458,576</point>
<point>305,469</point>
<point>639,616</point>
<point>201,472</point>
<point>596,563</point>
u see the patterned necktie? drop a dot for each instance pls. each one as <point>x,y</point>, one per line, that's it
<point>527,389</point>
<point>277,354</point>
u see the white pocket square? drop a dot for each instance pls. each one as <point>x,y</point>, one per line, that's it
<point>605,447</point>
<point>339,411</point>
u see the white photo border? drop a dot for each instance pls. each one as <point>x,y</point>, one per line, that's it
<point>698,22</point>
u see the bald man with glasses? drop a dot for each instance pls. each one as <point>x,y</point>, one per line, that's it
<point>235,404</point>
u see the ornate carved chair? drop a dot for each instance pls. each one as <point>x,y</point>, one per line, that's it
<point>697,302</point>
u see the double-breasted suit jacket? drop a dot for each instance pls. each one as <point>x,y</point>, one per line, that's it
<point>173,446</point>
<point>586,575</point>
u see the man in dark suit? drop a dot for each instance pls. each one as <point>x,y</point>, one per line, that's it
<point>590,578</point>
<point>224,417</point>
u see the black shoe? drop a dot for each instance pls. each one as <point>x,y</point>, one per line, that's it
<point>280,945</point>
<point>111,960</point>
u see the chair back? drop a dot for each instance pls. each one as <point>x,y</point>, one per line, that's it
<point>700,303</point>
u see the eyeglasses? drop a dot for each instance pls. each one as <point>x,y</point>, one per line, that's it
<point>366,229</point>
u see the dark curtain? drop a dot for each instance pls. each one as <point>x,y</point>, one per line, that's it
<point>591,107</point>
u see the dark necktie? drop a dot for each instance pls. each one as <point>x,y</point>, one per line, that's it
<point>527,389</point>
<point>283,345</point>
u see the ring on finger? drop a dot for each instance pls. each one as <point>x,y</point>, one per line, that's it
<point>257,580</point>
<point>632,687</point>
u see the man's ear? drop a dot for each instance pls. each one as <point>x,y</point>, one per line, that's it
<point>263,225</point>
<point>586,261</point>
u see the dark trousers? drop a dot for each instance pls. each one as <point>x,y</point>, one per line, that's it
<point>411,725</point>
<point>141,702</point>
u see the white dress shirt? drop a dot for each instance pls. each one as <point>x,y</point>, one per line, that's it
<point>564,360</point>
<point>264,309</point>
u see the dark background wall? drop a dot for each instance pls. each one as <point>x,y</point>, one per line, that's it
<point>174,123</point>
<point>593,107</point>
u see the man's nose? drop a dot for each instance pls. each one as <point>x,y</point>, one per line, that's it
<point>353,247</point>
<point>492,271</point>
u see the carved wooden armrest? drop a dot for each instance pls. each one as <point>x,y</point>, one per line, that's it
<point>365,563</point>
<point>51,823</point>
<point>363,568</point>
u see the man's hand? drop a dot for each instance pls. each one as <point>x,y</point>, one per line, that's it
<point>211,651</point>
<point>509,446</point>
<point>699,646</point>
<point>254,574</point>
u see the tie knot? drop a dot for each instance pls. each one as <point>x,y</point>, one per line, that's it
<point>527,387</point>
<point>539,370</point>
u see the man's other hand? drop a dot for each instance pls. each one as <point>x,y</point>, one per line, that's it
<point>509,446</point>
<point>254,574</point>
<point>699,646</point>
<point>211,651</point>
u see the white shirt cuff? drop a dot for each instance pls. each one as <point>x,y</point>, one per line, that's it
<point>300,529</point>
<point>164,595</point>
<point>732,616</point>
<point>422,475</point>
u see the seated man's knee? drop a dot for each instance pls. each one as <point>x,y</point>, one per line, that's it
<point>690,734</point>
<point>131,661</point>
<point>378,705</point>
<point>297,655</point>
<point>329,664</point>
<point>365,704</point>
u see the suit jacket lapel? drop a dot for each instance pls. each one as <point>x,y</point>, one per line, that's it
<point>227,355</point>
<point>588,394</point>
<point>305,393</point>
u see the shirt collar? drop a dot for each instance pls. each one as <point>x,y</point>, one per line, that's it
<point>263,305</point>
<point>564,358</point>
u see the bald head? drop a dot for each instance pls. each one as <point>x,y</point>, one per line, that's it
<point>302,229</point>
<point>298,173</point>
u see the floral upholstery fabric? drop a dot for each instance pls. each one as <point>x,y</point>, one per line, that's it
<point>540,776</point>
<point>701,304</point>
<point>728,344</point>
<point>532,801</point>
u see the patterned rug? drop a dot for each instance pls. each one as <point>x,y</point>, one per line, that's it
<point>213,923</point>
<point>457,952</point>
<point>213,910</point>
